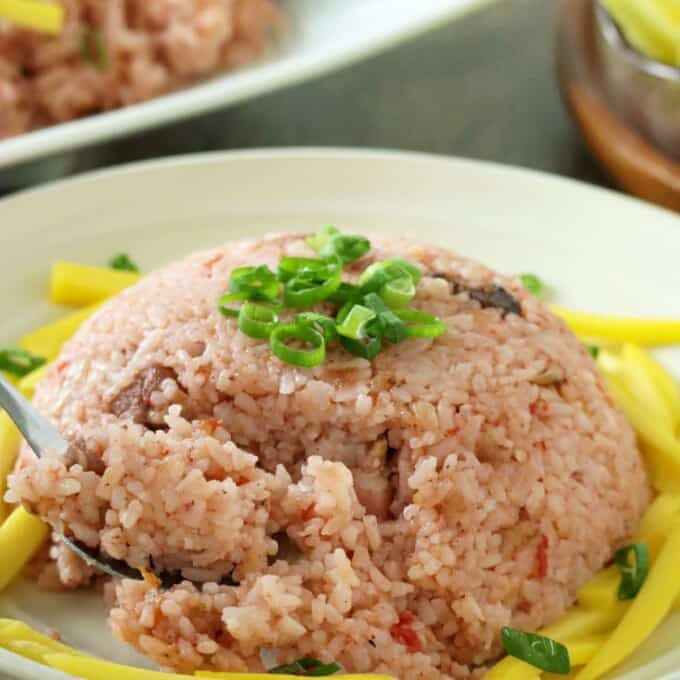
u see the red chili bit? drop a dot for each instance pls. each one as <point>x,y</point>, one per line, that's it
<point>403,633</point>
<point>61,365</point>
<point>539,408</point>
<point>541,560</point>
<point>209,425</point>
<point>241,481</point>
<point>308,512</point>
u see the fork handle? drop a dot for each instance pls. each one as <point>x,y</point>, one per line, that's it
<point>36,428</point>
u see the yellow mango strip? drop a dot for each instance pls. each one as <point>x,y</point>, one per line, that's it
<point>28,383</point>
<point>27,648</point>
<point>96,669</point>
<point>511,668</point>
<point>665,383</point>
<point>21,534</point>
<point>649,332</point>
<point>602,590</point>
<point>581,651</point>
<point>646,612</point>
<point>17,631</point>
<point>47,17</point>
<point>576,624</point>
<point>79,285</point>
<point>662,447</point>
<point>47,340</point>
<point>9,447</point>
<point>646,27</point>
<point>268,676</point>
<point>638,380</point>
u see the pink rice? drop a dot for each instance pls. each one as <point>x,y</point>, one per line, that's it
<point>153,47</point>
<point>467,482</point>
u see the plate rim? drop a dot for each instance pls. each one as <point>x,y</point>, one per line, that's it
<point>141,167</point>
<point>24,666</point>
<point>222,90</point>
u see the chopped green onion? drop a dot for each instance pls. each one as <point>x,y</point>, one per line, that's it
<point>347,248</point>
<point>399,292</point>
<point>537,650</point>
<point>412,269</point>
<point>257,321</point>
<point>259,283</point>
<point>123,263</point>
<point>594,351</point>
<point>421,324</point>
<point>229,303</point>
<point>19,362</point>
<point>354,321</point>
<point>368,348</point>
<point>320,323</point>
<point>378,274</point>
<point>633,575</point>
<point>312,286</point>
<point>319,240</point>
<point>307,358</point>
<point>346,292</point>
<point>307,667</point>
<point>93,48</point>
<point>533,284</point>
<point>390,325</point>
<point>290,267</point>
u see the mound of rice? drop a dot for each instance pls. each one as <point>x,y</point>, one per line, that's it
<point>150,48</point>
<point>389,515</point>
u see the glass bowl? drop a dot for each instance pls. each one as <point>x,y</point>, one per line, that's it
<point>644,92</point>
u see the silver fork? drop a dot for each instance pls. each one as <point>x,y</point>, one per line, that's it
<point>41,435</point>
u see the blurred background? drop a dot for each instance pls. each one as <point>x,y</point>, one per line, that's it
<point>483,87</point>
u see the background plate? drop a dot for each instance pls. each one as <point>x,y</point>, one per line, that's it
<point>598,250</point>
<point>324,35</point>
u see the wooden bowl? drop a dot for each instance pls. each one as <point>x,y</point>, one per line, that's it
<point>635,158</point>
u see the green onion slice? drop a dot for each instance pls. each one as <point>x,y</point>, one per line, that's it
<point>633,575</point>
<point>594,351</point>
<point>259,283</point>
<point>412,269</point>
<point>378,274</point>
<point>421,324</point>
<point>353,319</point>
<point>398,293</point>
<point>307,358</point>
<point>390,325</point>
<point>320,323</point>
<point>533,284</point>
<point>368,348</point>
<point>229,303</point>
<point>319,240</point>
<point>347,248</point>
<point>19,362</point>
<point>257,321</point>
<point>123,263</point>
<point>346,292</point>
<point>307,667</point>
<point>290,267</point>
<point>310,287</point>
<point>537,650</point>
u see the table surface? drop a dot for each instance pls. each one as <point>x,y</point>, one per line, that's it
<point>482,87</point>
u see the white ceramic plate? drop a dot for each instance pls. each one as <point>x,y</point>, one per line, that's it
<point>600,251</point>
<point>324,35</point>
